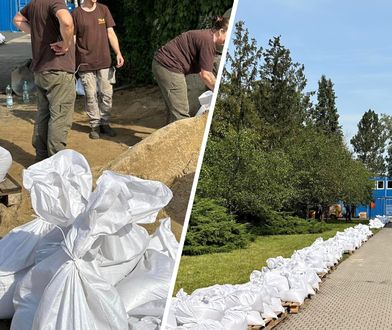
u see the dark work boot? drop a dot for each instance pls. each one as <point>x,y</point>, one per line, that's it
<point>94,134</point>
<point>106,129</point>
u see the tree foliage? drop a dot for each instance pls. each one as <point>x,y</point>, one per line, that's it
<point>369,142</point>
<point>325,115</point>
<point>271,156</point>
<point>212,229</point>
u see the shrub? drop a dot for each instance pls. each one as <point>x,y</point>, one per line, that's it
<point>274,223</point>
<point>212,229</point>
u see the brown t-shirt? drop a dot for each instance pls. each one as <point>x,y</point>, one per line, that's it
<point>45,29</point>
<point>92,43</point>
<point>188,53</point>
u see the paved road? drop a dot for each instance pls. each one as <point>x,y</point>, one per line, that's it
<point>14,52</point>
<point>358,295</point>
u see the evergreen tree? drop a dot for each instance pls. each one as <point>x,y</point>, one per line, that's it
<point>369,142</point>
<point>279,94</point>
<point>234,108</point>
<point>325,115</point>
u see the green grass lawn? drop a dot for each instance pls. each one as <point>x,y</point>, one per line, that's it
<point>235,267</point>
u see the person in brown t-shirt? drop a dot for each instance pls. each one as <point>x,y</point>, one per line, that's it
<point>51,28</point>
<point>190,52</point>
<point>93,34</point>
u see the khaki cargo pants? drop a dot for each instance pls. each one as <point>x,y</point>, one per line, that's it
<point>174,90</point>
<point>56,99</point>
<point>97,104</point>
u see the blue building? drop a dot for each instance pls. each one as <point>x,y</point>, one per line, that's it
<point>382,199</point>
<point>8,9</point>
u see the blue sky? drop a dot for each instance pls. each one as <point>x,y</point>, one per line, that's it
<point>349,41</point>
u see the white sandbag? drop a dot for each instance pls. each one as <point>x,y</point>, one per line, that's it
<point>64,290</point>
<point>268,312</point>
<point>190,310</point>
<point>7,289</point>
<point>19,247</point>
<point>245,298</point>
<point>150,280</point>
<point>120,253</point>
<point>254,318</point>
<point>2,39</point>
<point>203,325</point>
<point>205,102</point>
<point>152,308</point>
<point>206,98</point>
<point>145,323</point>
<point>275,279</point>
<point>5,161</point>
<point>234,320</point>
<point>59,187</point>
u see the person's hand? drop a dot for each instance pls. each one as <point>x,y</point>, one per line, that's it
<point>120,61</point>
<point>59,48</point>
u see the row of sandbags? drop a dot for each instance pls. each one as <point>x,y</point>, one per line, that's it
<point>85,262</point>
<point>234,307</point>
<point>378,222</point>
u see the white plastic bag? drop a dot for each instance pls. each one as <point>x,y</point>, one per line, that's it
<point>5,161</point>
<point>205,102</point>
<point>65,290</point>
<point>234,320</point>
<point>18,249</point>
<point>150,280</point>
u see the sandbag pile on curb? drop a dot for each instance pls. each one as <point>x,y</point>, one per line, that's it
<point>235,307</point>
<point>378,222</point>
<point>85,262</point>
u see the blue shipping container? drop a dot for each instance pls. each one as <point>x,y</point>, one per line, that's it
<point>382,199</point>
<point>8,9</point>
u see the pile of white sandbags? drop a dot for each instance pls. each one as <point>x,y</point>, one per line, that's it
<point>85,262</point>
<point>5,163</point>
<point>2,39</point>
<point>234,307</point>
<point>378,222</point>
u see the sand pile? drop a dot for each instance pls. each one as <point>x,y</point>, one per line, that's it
<point>168,155</point>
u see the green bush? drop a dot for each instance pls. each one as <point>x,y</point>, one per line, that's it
<point>270,222</point>
<point>211,229</point>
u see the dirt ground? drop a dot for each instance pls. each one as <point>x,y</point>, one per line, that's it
<point>136,114</point>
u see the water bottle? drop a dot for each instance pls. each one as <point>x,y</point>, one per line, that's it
<point>26,96</point>
<point>10,100</point>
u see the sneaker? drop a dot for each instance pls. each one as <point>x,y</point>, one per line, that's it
<point>106,129</point>
<point>94,134</point>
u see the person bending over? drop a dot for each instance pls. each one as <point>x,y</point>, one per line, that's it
<point>191,52</point>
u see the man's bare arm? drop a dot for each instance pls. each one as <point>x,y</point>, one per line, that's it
<point>113,40</point>
<point>208,79</point>
<point>66,30</point>
<point>22,23</point>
